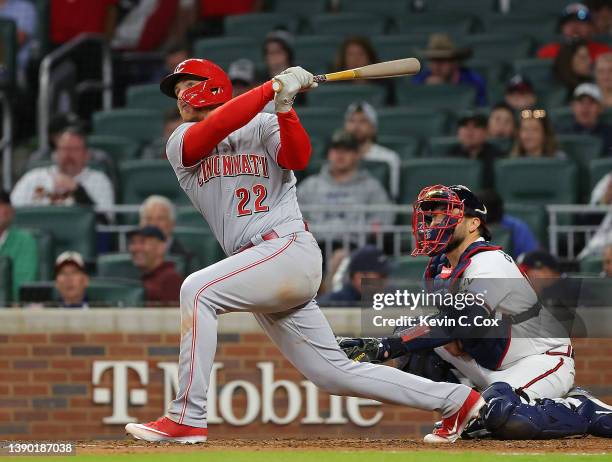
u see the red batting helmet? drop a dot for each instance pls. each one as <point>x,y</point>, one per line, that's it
<point>215,87</point>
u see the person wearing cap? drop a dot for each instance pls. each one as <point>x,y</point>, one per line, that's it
<point>575,22</point>
<point>242,75</point>
<point>161,281</point>
<point>156,149</point>
<point>341,183</point>
<point>278,54</point>
<point>18,245</point>
<point>444,67</point>
<point>361,121</point>
<point>366,263</point>
<point>71,280</point>
<point>472,135</point>
<point>587,108</point>
<point>520,93</point>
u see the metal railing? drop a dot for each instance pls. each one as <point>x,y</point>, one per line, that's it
<point>6,142</point>
<point>50,61</point>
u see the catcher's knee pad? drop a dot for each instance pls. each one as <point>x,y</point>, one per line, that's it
<point>427,363</point>
<point>506,416</point>
<point>600,419</point>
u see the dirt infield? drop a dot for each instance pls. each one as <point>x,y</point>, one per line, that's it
<point>576,445</point>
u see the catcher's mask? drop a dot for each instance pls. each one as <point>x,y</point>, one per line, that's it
<point>437,212</point>
<point>215,87</point>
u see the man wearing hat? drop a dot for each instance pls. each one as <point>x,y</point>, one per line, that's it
<point>444,67</point>
<point>18,245</point>
<point>71,280</point>
<point>587,107</point>
<point>161,281</point>
<point>575,22</point>
<point>365,263</point>
<point>242,75</point>
<point>519,93</point>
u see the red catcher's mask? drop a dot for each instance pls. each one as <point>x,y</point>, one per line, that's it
<point>436,213</point>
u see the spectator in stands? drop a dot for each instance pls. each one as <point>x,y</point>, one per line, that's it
<point>242,75</point>
<point>573,65</point>
<point>575,22</point>
<point>520,93</point>
<point>601,195</point>
<point>157,148</point>
<point>174,55</point>
<point>160,212</point>
<point>161,281</point>
<point>523,240</point>
<point>70,18</point>
<point>444,67</point>
<point>277,53</point>
<point>361,121</point>
<point>366,263</point>
<point>473,144</point>
<point>357,52</point>
<point>603,77</point>
<point>25,17</point>
<point>18,245</point>
<point>69,181</point>
<point>340,183</point>
<point>587,108</point>
<point>71,280</point>
<point>601,11</point>
<point>607,261</point>
<point>536,137</point>
<point>502,122</point>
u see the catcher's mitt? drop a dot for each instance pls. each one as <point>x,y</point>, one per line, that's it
<point>361,350</point>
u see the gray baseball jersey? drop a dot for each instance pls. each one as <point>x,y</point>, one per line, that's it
<point>239,189</point>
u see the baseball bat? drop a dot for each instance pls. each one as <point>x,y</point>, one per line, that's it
<point>395,68</point>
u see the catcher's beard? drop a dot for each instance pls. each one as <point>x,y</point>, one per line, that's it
<point>455,242</point>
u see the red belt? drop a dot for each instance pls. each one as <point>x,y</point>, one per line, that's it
<point>569,353</point>
<point>266,237</point>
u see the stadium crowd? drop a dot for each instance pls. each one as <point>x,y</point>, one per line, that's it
<point>507,88</point>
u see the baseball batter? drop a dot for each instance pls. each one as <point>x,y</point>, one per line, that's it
<point>521,365</point>
<point>235,164</point>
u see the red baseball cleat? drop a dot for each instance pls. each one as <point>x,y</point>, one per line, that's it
<point>164,429</point>
<point>453,426</point>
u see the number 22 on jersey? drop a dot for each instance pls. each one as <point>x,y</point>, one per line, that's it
<point>244,199</point>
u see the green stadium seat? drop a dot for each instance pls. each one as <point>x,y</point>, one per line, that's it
<point>343,24</point>
<point>591,265</point>
<point>418,173</point>
<point>534,215</point>
<point>550,96</point>
<point>439,146</point>
<point>321,121</point>
<point>148,96</point>
<point>119,265</point>
<point>561,117</point>
<point>388,8</point>
<point>8,54</point>
<point>553,7</point>
<point>320,48</point>
<point>416,122</point>
<point>257,25</point>
<point>492,71</point>
<point>120,148</point>
<point>598,168</point>
<point>42,28</point>
<point>408,267</point>
<point>224,50</point>
<point>456,24</point>
<point>407,147</point>
<point>114,291</point>
<point>379,170</point>
<point>475,7</point>
<point>501,236</point>
<point>141,125</point>
<point>503,144</point>
<point>398,46</point>
<point>445,97</point>
<point>46,253</point>
<point>6,281</point>
<point>537,180</point>
<point>582,149</point>
<point>538,70</point>
<point>202,244</point>
<point>141,178</point>
<point>342,94</point>
<point>300,7</point>
<point>520,24</point>
<point>72,228</point>
<point>490,46</point>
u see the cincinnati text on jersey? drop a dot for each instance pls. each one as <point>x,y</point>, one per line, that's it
<point>433,321</point>
<point>232,165</point>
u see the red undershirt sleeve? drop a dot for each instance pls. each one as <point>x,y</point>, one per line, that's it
<point>295,148</point>
<point>201,138</point>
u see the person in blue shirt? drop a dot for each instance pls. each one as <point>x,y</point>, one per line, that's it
<point>444,67</point>
<point>523,239</point>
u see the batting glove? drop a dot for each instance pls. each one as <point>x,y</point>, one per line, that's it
<point>292,80</point>
<point>304,77</point>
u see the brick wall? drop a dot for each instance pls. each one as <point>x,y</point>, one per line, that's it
<point>46,388</point>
